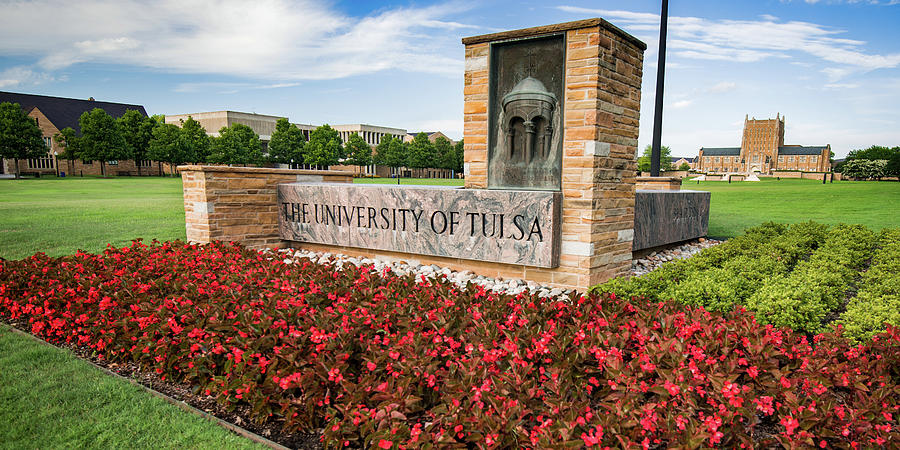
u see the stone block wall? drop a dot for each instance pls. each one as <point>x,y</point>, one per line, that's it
<point>240,203</point>
<point>601,117</point>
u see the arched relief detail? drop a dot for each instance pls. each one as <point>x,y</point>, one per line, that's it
<point>529,117</point>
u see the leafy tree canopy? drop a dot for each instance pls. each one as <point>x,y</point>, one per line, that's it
<point>286,145</point>
<point>67,138</point>
<point>101,138</point>
<point>325,147</point>
<point>358,152</point>
<point>459,158</point>
<point>684,166</point>
<point>195,142</point>
<point>873,153</point>
<point>390,152</point>
<point>421,152</point>
<point>20,136</point>
<point>167,145</point>
<point>137,131</point>
<point>237,144</point>
<point>665,158</point>
<point>445,153</point>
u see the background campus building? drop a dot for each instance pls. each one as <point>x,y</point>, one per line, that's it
<point>763,150</point>
<point>55,113</point>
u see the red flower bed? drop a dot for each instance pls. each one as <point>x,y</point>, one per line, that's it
<point>378,360</point>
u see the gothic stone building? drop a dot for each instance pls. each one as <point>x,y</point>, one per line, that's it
<point>55,113</point>
<point>762,150</point>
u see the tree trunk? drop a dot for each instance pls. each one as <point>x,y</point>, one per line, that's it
<point>137,162</point>
<point>17,168</point>
<point>159,166</point>
<point>102,169</point>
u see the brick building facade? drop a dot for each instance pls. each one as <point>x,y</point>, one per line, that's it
<point>56,113</point>
<point>763,150</point>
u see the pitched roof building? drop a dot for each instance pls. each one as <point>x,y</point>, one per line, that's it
<point>763,150</point>
<point>54,114</point>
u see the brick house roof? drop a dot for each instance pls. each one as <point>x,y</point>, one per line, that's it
<point>65,112</point>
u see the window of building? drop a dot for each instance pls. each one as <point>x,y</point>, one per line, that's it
<point>44,162</point>
<point>87,162</point>
<point>113,163</point>
<point>48,141</point>
<point>756,157</point>
<point>780,158</point>
<point>814,159</point>
<point>802,159</point>
<point>145,163</point>
<point>790,159</point>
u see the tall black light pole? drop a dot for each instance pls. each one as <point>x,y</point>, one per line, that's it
<point>660,81</point>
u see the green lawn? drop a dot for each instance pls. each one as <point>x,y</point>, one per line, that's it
<point>51,399</point>
<point>58,216</point>
<point>739,205</point>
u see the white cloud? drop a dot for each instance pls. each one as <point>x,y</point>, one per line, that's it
<point>722,87</point>
<point>265,39</point>
<point>226,87</point>
<point>754,40</point>
<point>681,104</point>
<point>22,76</point>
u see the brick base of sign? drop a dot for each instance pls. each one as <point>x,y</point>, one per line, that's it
<point>240,203</point>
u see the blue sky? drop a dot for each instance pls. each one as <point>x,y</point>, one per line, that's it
<point>831,67</point>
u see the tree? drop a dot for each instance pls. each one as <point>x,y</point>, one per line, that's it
<point>101,138</point>
<point>864,169</point>
<point>196,143</point>
<point>421,152</point>
<point>67,139</point>
<point>325,147</point>
<point>873,153</point>
<point>665,159</point>
<point>20,136</point>
<point>446,154</point>
<point>137,130</point>
<point>358,152</point>
<point>167,146</point>
<point>390,152</point>
<point>459,154</point>
<point>684,166</point>
<point>892,168</point>
<point>237,144</point>
<point>286,145</point>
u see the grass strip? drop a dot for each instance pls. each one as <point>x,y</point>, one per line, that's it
<point>52,399</point>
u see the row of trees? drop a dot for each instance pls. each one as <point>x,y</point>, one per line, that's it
<point>325,148</point>
<point>872,163</point>
<point>135,136</point>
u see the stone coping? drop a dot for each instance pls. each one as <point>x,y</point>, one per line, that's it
<point>666,191</point>
<point>261,170</point>
<point>657,179</point>
<point>555,28</point>
<point>379,185</point>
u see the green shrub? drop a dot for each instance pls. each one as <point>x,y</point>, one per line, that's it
<point>878,300</point>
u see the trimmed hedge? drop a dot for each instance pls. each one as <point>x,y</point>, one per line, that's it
<point>376,360</point>
<point>878,300</point>
<point>799,276</point>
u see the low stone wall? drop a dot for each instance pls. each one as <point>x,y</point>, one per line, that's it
<point>659,183</point>
<point>240,203</point>
<point>666,217</point>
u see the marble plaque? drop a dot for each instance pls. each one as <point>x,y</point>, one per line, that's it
<point>666,217</point>
<point>515,227</point>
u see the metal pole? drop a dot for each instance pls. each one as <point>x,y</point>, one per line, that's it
<point>660,81</point>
